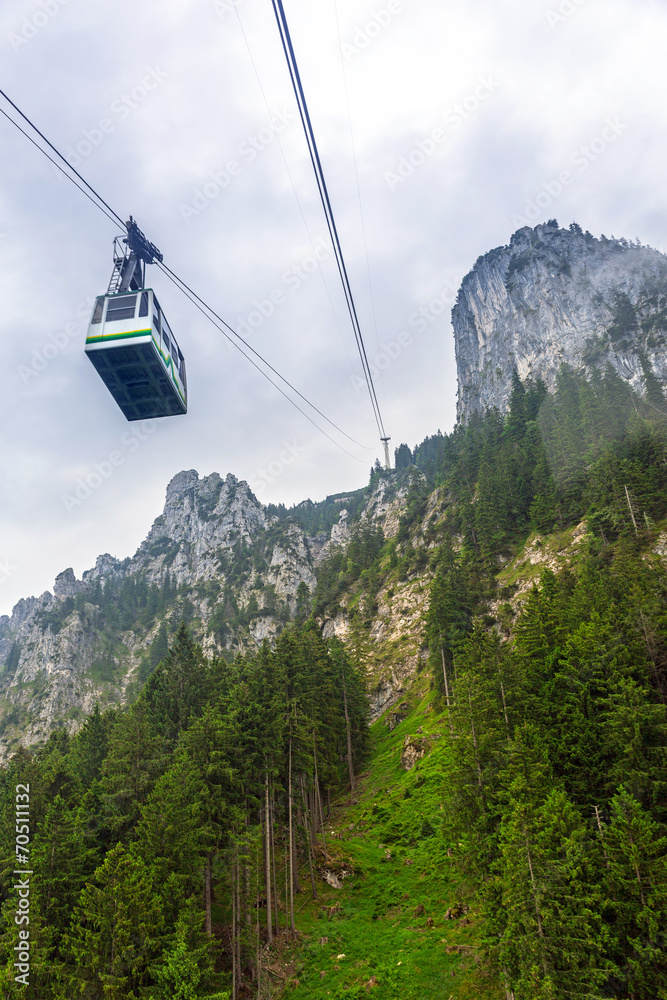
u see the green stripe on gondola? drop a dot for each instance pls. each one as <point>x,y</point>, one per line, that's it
<point>118,336</point>
<point>169,363</point>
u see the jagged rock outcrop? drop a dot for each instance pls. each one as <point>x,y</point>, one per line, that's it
<point>204,520</point>
<point>553,296</point>
<point>227,564</point>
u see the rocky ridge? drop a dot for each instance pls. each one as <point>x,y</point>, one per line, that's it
<point>231,568</point>
<point>217,549</point>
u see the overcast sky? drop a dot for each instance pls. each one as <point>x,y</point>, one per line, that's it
<point>442,126</point>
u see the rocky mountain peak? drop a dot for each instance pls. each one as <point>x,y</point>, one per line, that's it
<point>555,296</point>
<point>66,584</point>
<point>201,519</point>
<point>182,485</point>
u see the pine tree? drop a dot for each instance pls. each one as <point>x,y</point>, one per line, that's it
<point>117,930</point>
<point>160,645</point>
<point>551,939</point>
<point>177,690</point>
<point>211,759</point>
<point>136,759</point>
<point>636,884</point>
<point>187,963</point>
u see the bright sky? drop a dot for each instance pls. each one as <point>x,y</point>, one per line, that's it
<point>442,127</point>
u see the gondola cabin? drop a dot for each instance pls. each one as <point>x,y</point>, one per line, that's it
<point>133,349</point>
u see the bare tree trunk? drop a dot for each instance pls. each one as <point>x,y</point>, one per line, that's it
<point>631,508</point>
<point>234,969</point>
<point>310,842</point>
<point>319,798</point>
<point>508,993</point>
<point>288,883</point>
<point>267,859</point>
<point>350,765</point>
<point>502,692</point>
<point>291,844</point>
<point>273,859</point>
<point>312,811</point>
<point>600,831</point>
<point>246,895</point>
<point>538,914</point>
<point>296,826</point>
<point>650,645</point>
<point>207,896</point>
<point>444,674</point>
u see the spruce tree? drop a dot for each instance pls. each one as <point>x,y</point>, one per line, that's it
<point>635,878</point>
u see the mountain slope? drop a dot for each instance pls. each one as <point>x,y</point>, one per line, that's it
<point>214,557</point>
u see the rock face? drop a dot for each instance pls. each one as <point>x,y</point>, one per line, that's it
<point>218,559</point>
<point>224,563</point>
<point>553,296</point>
<point>205,521</point>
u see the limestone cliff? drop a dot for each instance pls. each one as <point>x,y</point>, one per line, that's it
<point>222,561</point>
<point>553,296</point>
<point>214,557</point>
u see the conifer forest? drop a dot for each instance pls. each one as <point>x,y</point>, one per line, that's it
<point>239,830</point>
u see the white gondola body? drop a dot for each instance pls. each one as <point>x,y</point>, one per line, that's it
<point>134,351</point>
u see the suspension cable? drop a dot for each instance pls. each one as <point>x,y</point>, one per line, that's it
<point>205,309</point>
<point>223,326</point>
<point>202,307</point>
<point>313,151</point>
<point>59,154</point>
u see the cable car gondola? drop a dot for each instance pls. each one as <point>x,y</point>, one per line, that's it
<point>130,342</point>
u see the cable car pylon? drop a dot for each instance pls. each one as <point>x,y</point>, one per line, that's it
<point>385,442</point>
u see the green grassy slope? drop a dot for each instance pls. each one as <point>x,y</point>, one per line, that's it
<point>388,934</point>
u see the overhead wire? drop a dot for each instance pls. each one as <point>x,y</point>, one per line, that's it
<point>58,167</point>
<point>203,307</point>
<point>304,114</point>
<point>60,155</point>
<point>193,296</point>
<point>291,179</point>
<point>356,174</point>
